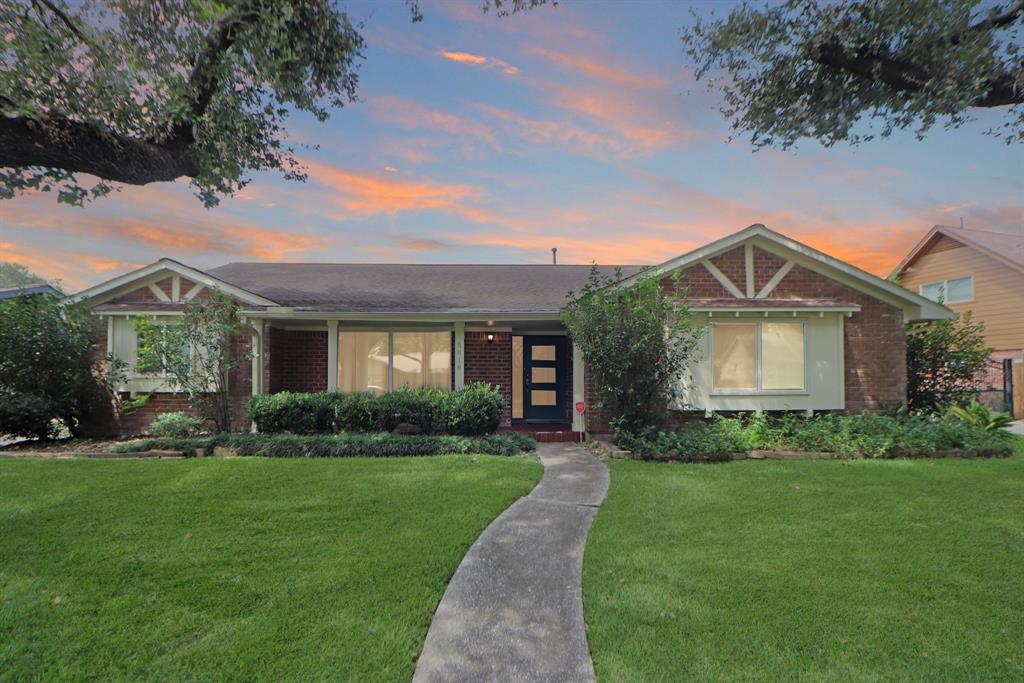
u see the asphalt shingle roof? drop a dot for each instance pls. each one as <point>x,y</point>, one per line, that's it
<point>412,288</point>
<point>1009,245</point>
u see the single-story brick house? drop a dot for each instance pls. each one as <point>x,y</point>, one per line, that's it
<point>789,328</point>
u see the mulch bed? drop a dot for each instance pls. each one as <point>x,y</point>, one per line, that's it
<point>77,448</point>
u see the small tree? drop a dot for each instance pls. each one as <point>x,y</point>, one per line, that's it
<point>944,359</point>
<point>196,355</point>
<point>637,342</point>
<point>50,368</point>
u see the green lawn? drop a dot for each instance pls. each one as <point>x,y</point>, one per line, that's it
<point>811,570</point>
<point>240,569</point>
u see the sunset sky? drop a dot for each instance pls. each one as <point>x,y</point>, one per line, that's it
<point>488,140</point>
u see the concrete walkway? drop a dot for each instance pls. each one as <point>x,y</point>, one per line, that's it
<point>514,609</point>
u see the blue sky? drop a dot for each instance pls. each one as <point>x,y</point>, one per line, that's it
<point>491,140</point>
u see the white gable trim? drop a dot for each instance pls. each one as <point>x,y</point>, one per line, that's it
<point>159,293</point>
<point>914,306</point>
<point>722,278</point>
<point>770,286</point>
<point>149,274</point>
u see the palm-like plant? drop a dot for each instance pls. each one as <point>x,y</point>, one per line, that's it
<point>980,416</point>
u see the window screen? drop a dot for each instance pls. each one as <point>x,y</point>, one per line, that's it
<point>363,362</point>
<point>960,289</point>
<point>416,359</point>
<point>782,356</point>
<point>735,356</point>
<point>422,359</point>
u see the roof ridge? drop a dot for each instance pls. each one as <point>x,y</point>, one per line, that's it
<point>438,265</point>
<point>990,232</point>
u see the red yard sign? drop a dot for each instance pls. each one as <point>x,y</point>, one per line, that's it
<point>580,407</point>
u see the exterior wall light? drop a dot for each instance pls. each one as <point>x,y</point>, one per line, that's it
<point>490,337</point>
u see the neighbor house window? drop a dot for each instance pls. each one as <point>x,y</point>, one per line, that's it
<point>380,361</point>
<point>955,291</point>
<point>758,356</point>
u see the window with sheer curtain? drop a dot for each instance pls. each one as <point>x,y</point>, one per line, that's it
<point>415,359</point>
<point>758,356</point>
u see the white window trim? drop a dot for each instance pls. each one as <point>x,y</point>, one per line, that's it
<point>945,289</point>
<point>759,391</point>
<point>391,349</point>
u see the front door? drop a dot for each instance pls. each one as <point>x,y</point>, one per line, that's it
<point>544,379</point>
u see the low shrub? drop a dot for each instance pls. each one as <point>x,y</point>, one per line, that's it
<point>473,411</point>
<point>345,444</point>
<point>300,413</point>
<point>176,425</point>
<point>868,435</point>
<point>26,415</point>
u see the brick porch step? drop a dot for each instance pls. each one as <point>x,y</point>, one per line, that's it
<point>544,433</point>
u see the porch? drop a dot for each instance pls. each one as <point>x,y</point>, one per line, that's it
<point>532,360</point>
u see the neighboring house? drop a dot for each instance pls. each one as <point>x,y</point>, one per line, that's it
<point>29,290</point>
<point>981,271</point>
<point>789,328</point>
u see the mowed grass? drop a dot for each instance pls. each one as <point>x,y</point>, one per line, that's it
<point>809,570</point>
<point>240,569</point>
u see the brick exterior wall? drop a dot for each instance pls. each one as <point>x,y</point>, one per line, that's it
<point>765,266</point>
<point>114,421</point>
<point>874,338</point>
<point>299,360</point>
<point>733,265</point>
<point>491,363</point>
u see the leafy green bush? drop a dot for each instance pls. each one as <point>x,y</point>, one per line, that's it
<point>342,445</point>
<point>980,416</point>
<point>360,412</point>
<point>26,415</point>
<point>176,425</point>
<point>869,435</point>
<point>50,362</point>
<point>473,411</point>
<point>300,413</point>
<point>423,407</point>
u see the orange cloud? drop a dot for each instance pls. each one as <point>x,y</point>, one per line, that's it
<point>370,194</point>
<point>408,113</point>
<point>479,60</point>
<point>463,57</point>
<point>546,132</point>
<point>597,69</point>
<point>184,234</point>
<point>646,128</point>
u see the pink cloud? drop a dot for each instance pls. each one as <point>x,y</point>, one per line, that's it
<point>479,60</point>
<point>402,111</point>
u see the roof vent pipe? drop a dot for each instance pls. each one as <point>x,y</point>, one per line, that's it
<point>554,256</point>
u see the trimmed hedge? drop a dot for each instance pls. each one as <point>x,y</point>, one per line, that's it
<point>473,411</point>
<point>868,435</point>
<point>342,445</point>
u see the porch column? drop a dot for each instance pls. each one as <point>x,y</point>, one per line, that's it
<point>256,324</point>
<point>332,355</point>
<point>579,393</point>
<point>460,355</point>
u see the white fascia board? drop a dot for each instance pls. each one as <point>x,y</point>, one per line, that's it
<point>697,255</point>
<point>914,252</point>
<point>142,276</point>
<point>281,313</point>
<point>916,306</point>
<point>775,309</point>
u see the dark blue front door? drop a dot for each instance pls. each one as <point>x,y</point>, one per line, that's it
<point>544,379</point>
